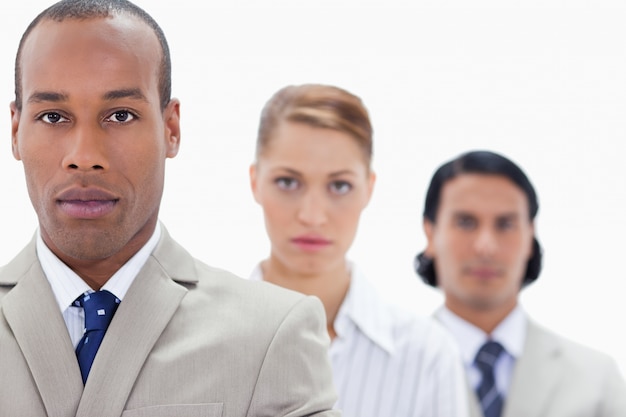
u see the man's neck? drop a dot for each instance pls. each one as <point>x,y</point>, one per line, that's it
<point>486,319</point>
<point>96,272</point>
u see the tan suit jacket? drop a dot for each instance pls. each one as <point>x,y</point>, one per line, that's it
<point>187,340</point>
<point>555,377</point>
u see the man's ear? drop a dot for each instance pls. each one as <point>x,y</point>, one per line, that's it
<point>429,230</point>
<point>171,116</point>
<point>15,124</point>
<point>531,247</point>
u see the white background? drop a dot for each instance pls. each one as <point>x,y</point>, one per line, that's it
<point>541,81</point>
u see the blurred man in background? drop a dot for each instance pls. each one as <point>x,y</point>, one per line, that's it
<point>482,250</point>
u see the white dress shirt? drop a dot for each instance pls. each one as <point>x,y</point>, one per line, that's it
<point>389,363</point>
<point>510,333</point>
<point>67,285</point>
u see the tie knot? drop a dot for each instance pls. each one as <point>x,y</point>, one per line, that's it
<point>99,308</point>
<point>488,355</point>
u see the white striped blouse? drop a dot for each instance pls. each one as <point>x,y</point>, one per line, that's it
<point>389,363</point>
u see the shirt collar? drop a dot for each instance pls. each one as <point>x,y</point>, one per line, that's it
<point>365,309</point>
<point>510,333</point>
<point>67,285</point>
<point>362,307</point>
<point>256,274</point>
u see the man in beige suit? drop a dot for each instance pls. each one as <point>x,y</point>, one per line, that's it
<point>93,124</point>
<point>479,222</point>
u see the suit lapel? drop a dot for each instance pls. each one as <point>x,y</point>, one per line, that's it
<point>42,336</point>
<point>139,321</point>
<point>536,375</point>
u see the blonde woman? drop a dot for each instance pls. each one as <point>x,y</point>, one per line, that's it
<point>312,177</point>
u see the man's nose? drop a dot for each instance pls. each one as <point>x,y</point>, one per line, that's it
<point>486,242</point>
<point>86,150</point>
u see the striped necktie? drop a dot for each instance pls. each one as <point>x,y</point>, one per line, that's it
<point>490,399</point>
<point>99,308</point>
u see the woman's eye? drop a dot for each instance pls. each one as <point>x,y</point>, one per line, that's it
<point>121,116</point>
<point>52,118</point>
<point>286,183</point>
<point>340,187</point>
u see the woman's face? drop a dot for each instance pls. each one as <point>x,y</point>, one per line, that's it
<point>313,184</point>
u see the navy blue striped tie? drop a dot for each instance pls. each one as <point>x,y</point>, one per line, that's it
<point>99,308</point>
<point>490,399</point>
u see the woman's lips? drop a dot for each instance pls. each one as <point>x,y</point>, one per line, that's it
<point>310,243</point>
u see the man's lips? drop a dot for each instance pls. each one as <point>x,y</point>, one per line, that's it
<point>86,203</point>
<point>485,272</point>
<point>85,194</point>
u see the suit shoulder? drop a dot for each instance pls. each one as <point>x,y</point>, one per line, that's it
<point>577,354</point>
<point>593,357</point>
<point>12,272</point>
<point>211,289</point>
<point>250,294</point>
<point>18,266</point>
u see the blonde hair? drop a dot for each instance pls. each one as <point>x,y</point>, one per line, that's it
<point>317,105</point>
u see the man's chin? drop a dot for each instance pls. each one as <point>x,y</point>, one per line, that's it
<point>86,246</point>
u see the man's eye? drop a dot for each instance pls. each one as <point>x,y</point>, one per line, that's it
<point>466,222</point>
<point>505,224</point>
<point>52,118</point>
<point>121,116</point>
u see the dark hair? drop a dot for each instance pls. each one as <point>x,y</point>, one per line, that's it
<point>317,105</point>
<point>89,9</point>
<point>478,162</point>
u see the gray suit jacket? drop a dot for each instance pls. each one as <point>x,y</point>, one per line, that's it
<point>188,340</point>
<point>555,377</point>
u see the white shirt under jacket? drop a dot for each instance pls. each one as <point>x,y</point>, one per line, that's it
<point>510,333</point>
<point>389,363</point>
<point>67,286</point>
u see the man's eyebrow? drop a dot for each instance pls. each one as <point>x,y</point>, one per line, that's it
<point>509,216</point>
<point>462,213</point>
<point>42,96</point>
<point>51,96</point>
<point>133,93</point>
